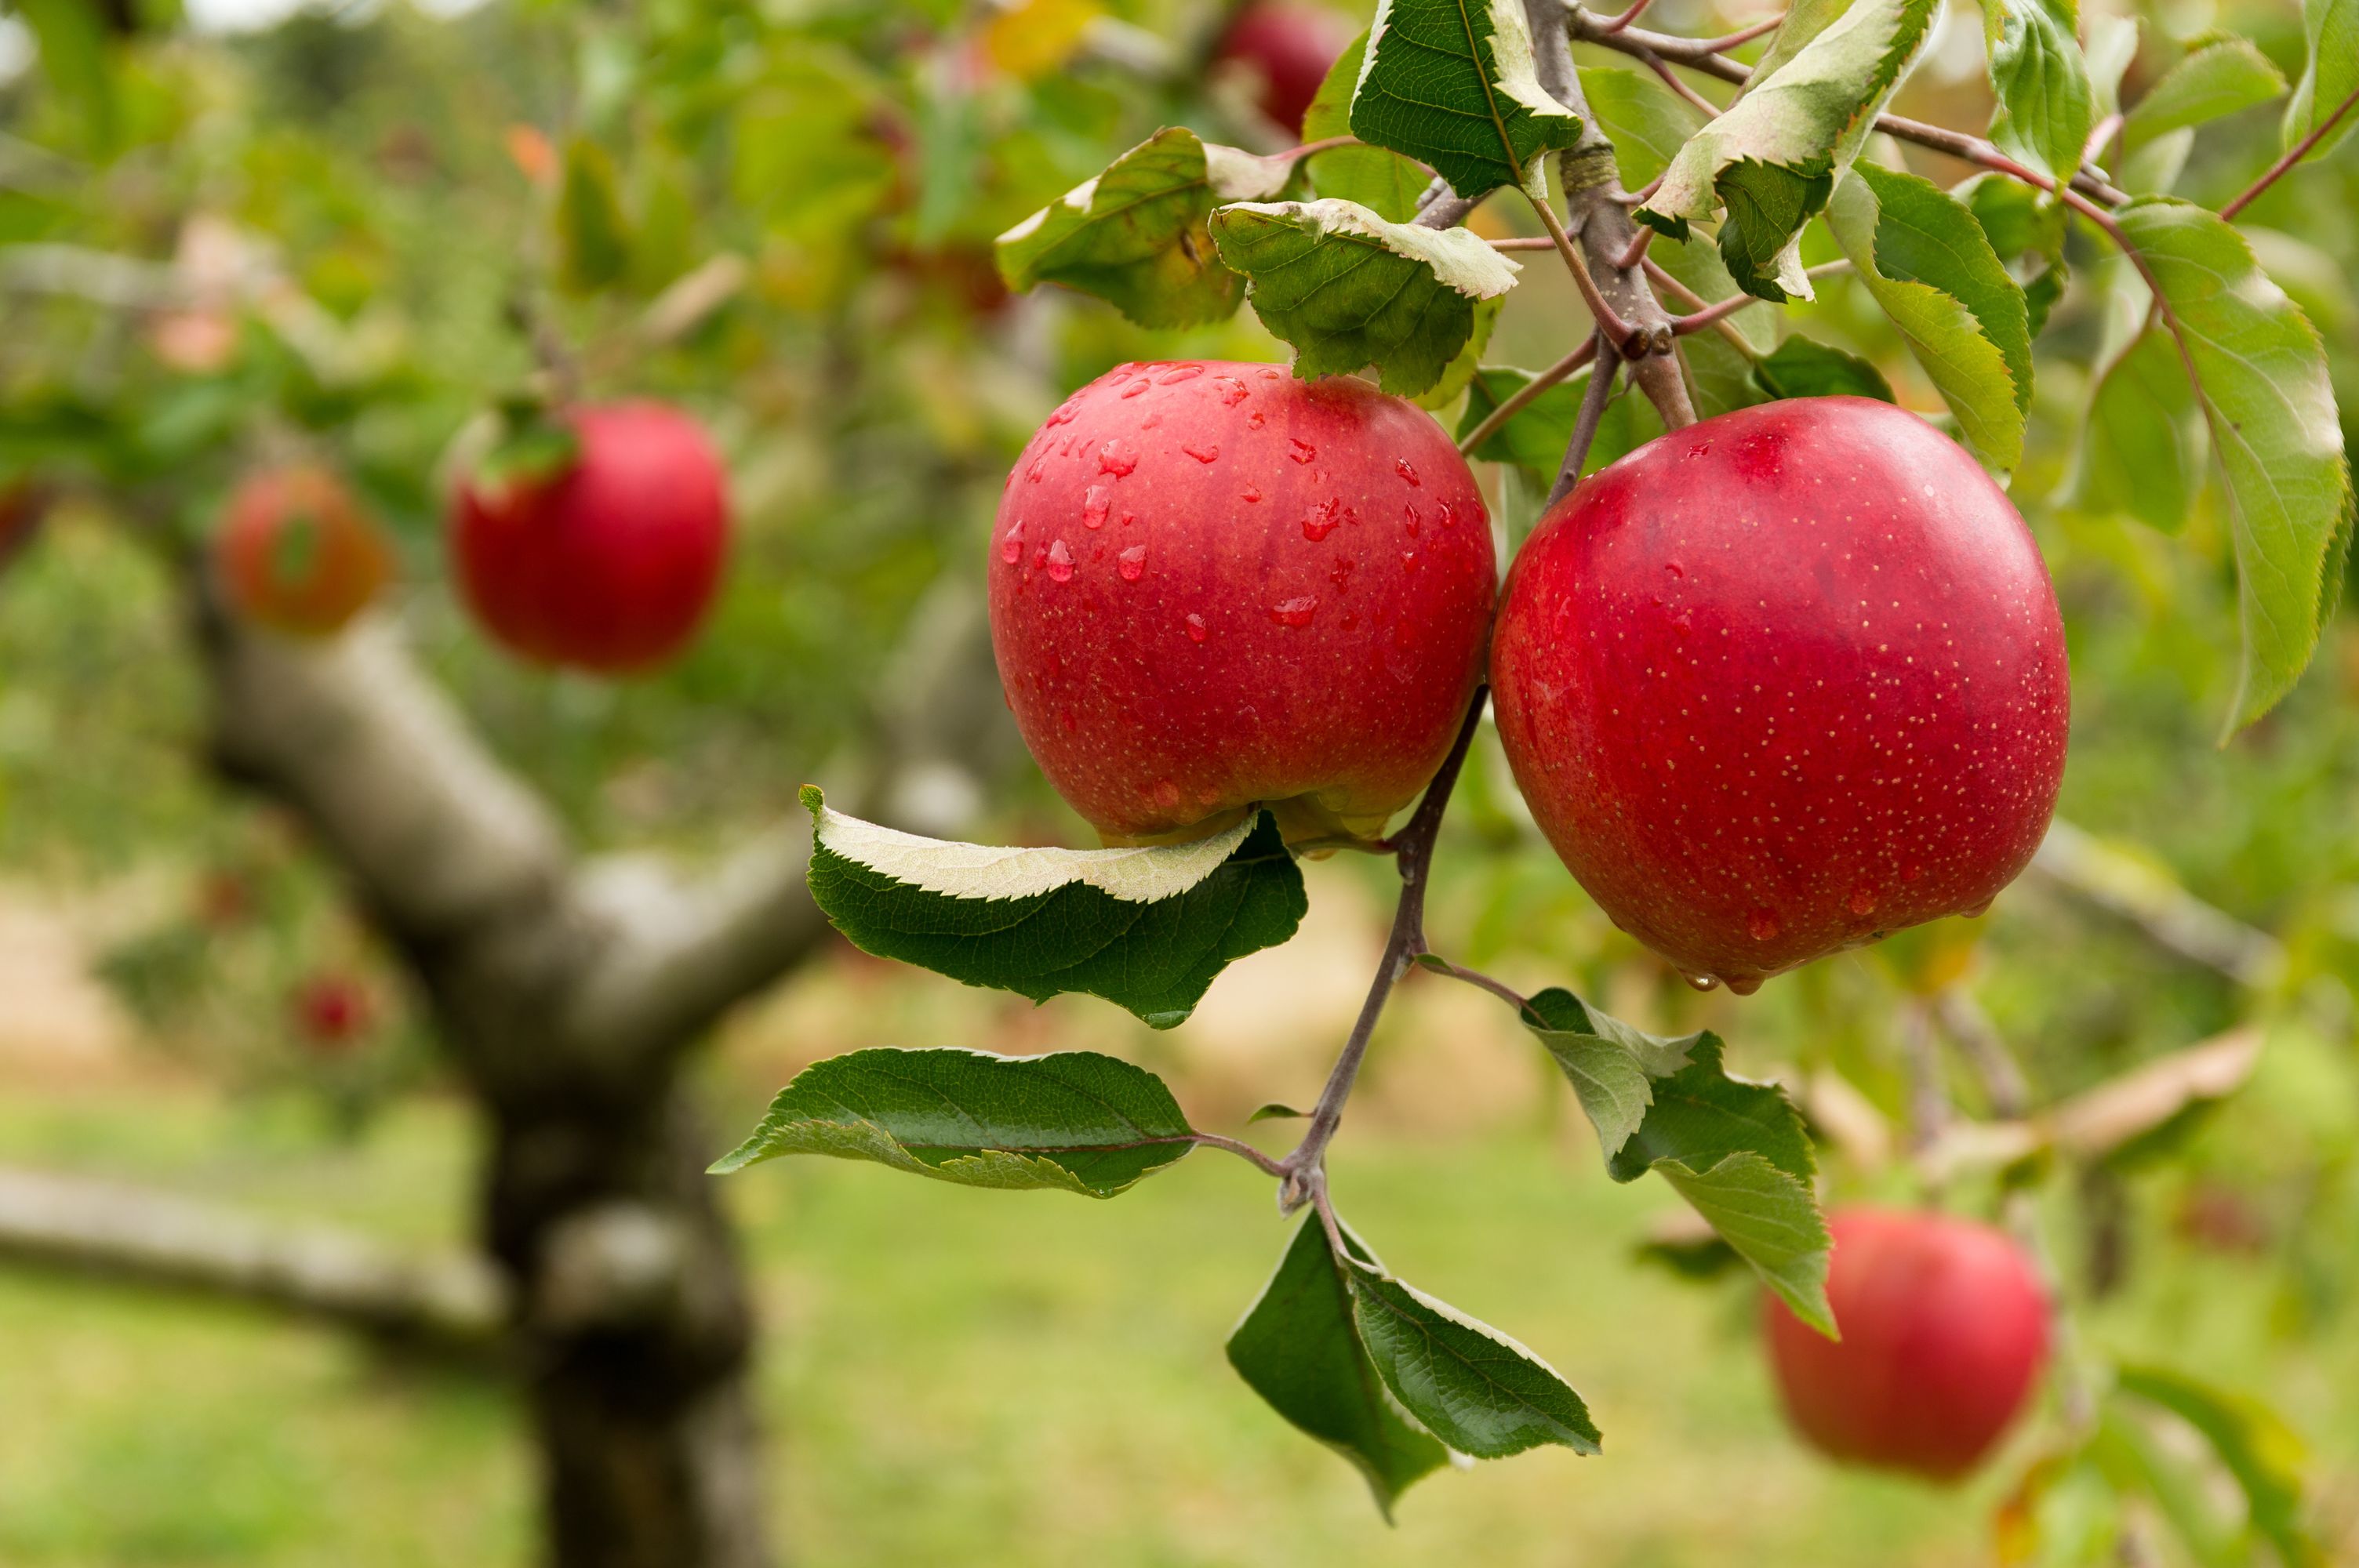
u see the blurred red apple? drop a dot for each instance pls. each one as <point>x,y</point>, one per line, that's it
<point>332,1013</point>
<point>1212,584</point>
<point>607,556</point>
<point>1289,48</point>
<point>1944,1331</point>
<point>1784,681</point>
<point>297,554</point>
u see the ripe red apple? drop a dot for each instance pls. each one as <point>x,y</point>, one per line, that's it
<point>332,1013</point>
<point>1944,1330</point>
<point>296,552</point>
<point>608,561</point>
<point>1784,681</point>
<point>1212,584</point>
<point>1290,47</point>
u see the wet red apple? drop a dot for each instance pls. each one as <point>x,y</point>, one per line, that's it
<point>1290,47</point>
<point>1944,1332</point>
<point>297,554</point>
<point>608,560</point>
<point>1214,585</point>
<point>1784,681</point>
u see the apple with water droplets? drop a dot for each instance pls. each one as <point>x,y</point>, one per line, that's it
<point>1782,682</point>
<point>604,552</point>
<point>1214,585</point>
<point>1944,1332</point>
<point>1289,46</point>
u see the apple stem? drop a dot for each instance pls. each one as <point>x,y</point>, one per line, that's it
<point>1301,1175</point>
<point>1584,427</point>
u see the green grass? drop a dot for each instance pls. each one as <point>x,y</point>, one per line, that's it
<point>955,1376</point>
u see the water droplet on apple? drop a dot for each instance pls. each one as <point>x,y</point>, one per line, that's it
<point>1196,629</point>
<point>1323,518</point>
<point>1096,502</point>
<point>1037,470</point>
<point>1117,460</point>
<point>1061,563</point>
<point>1250,494</point>
<point>1066,412</point>
<point>1673,569</point>
<point>1233,391</point>
<point>1295,611</point>
<point>1131,562</point>
<point>1179,374</point>
<point>1408,518</point>
<point>1762,925</point>
<point>1698,448</point>
<point>1205,453</point>
<point>1444,516</point>
<point>1745,985</point>
<point>1300,450</point>
<point>1135,387</point>
<point>1253,419</point>
<point>1011,544</point>
<point>1864,900</point>
<point>1409,559</point>
<point>1401,466</point>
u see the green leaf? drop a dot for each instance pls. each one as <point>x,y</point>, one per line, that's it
<point>1384,182</point>
<point>2025,229</point>
<point>1452,84</point>
<point>1299,1349</point>
<point>1735,1150</point>
<point>1135,236</point>
<point>1771,161</point>
<point>1348,288</point>
<point>1464,1381</point>
<point>2041,82</point>
<point>1076,1121</point>
<point>2329,77</point>
<point>1274,1111</point>
<point>1534,438</point>
<point>70,40</point>
<point>1929,265</point>
<point>1803,367</point>
<point>1646,121</point>
<point>2141,446</point>
<point>2113,46</point>
<point>1460,370</point>
<point>593,238</point>
<point>2261,380</point>
<point>2253,1445</point>
<point>1145,928</point>
<point>1805,20</point>
<point>2221,78</point>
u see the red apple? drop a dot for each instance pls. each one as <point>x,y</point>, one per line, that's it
<point>1944,1331</point>
<point>297,554</point>
<point>332,1012</point>
<point>1290,47</point>
<point>1212,585</point>
<point>1784,681</point>
<point>609,561</point>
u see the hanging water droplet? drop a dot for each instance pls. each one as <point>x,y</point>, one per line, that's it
<point>1762,925</point>
<point>1117,460</point>
<point>1197,632</point>
<point>1300,450</point>
<point>1295,611</point>
<point>1131,562</point>
<point>1745,985</point>
<point>1011,544</point>
<point>1700,982</point>
<point>1096,502</point>
<point>1401,466</point>
<point>1061,563</point>
<point>1203,452</point>
<point>1323,518</point>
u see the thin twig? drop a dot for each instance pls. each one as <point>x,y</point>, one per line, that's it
<point>2293,155</point>
<point>1477,978</point>
<point>1302,1174</point>
<point>1624,334</point>
<point>1694,301</point>
<point>1670,79</point>
<point>1710,315</point>
<point>1728,41</point>
<point>1616,24</point>
<point>1524,243</point>
<point>1516,402</point>
<point>1270,1164</point>
<point>1320,145</point>
<point>1638,250</point>
<point>1584,427</point>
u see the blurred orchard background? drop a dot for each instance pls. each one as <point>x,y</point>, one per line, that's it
<point>235,230</point>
